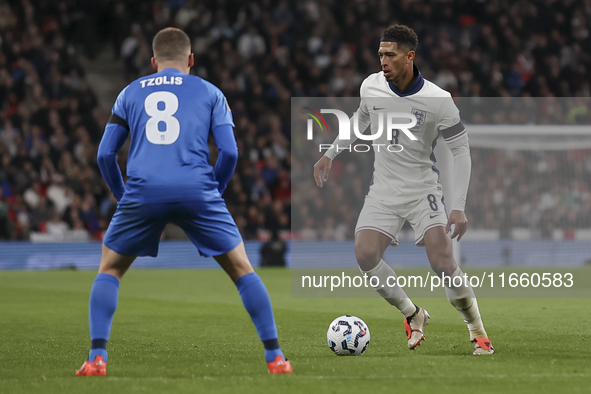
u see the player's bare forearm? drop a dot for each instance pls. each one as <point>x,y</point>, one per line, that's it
<point>321,170</point>
<point>460,222</point>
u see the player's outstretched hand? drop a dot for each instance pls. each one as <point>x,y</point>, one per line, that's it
<point>460,222</point>
<point>321,170</point>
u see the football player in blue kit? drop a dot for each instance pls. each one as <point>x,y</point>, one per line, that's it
<point>170,115</point>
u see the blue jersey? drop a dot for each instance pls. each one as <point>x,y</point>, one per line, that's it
<point>170,116</point>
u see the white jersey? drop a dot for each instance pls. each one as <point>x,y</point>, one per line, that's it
<point>403,176</point>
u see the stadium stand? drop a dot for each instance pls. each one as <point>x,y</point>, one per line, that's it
<point>261,54</point>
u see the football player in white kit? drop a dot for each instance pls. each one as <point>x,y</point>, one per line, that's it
<point>406,187</point>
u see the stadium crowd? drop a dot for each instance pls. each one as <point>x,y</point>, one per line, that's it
<point>261,54</point>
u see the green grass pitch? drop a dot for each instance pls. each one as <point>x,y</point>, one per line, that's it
<point>185,331</point>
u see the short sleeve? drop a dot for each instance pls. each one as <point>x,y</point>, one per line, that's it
<point>221,113</point>
<point>449,123</point>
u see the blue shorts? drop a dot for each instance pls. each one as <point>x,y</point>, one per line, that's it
<point>136,228</point>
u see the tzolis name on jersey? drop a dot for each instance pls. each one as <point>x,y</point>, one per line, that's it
<point>163,80</point>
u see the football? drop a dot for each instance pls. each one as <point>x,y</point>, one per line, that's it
<point>348,336</point>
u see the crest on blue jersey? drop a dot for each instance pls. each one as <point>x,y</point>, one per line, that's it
<point>420,115</point>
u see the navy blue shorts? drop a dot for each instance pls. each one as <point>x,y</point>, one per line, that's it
<point>136,228</point>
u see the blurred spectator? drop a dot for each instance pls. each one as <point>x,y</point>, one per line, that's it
<point>33,194</point>
<point>60,196</point>
<point>41,213</point>
<point>57,228</point>
<point>79,232</point>
<point>251,44</point>
<point>273,252</point>
<point>5,224</point>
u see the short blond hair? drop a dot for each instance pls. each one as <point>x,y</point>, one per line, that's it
<point>171,44</point>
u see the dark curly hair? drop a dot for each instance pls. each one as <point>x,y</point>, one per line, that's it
<point>402,35</point>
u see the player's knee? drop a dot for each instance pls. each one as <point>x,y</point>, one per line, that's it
<point>113,263</point>
<point>239,266</point>
<point>244,266</point>
<point>235,262</point>
<point>442,261</point>
<point>367,256</point>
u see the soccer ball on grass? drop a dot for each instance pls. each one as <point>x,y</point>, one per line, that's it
<point>348,336</point>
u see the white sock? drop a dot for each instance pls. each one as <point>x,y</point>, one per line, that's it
<point>394,295</point>
<point>464,300</point>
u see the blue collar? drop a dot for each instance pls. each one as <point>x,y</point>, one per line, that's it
<point>418,85</point>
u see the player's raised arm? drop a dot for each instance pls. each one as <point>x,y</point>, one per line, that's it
<point>456,137</point>
<point>116,132</point>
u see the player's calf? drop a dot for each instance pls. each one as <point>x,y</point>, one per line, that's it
<point>258,304</point>
<point>395,295</point>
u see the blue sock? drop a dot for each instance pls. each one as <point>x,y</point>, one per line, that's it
<point>102,306</point>
<point>258,304</point>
